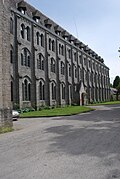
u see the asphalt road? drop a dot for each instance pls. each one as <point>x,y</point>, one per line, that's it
<point>85,146</point>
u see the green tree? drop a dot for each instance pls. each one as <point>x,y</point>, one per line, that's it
<point>111,85</point>
<point>118,91</point>
<point>116,82</point>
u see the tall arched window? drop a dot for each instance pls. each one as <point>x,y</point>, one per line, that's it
<point>75,56</point>
<point>42,40</point>
<point>25,57</point>
<point>69,53</point>
<point>38,38</point>
<point>70,70</point>
<point>22,59</point>
<point>23,31</point>
<point>11,91</point>
<point>63,91</point>
<point>11,54</point>
<point>53,88</point>
<point>11,25</point>
<point>62,50</point>
<point>26,90</point>
<point>75,72</point>
<point>62,68</point>
<point>53,45</point>
<point>41,90</point>
<point>40,62</point>
<point>28,33</point>
<point>52,65</point>
<point>49,43</point>
<point>28,58</point>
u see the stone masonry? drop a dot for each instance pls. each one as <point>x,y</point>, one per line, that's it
<point>44,64</point>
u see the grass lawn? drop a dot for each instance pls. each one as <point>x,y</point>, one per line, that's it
<point>63,111</point>
<point>5,129</point>
<point>105,103</point>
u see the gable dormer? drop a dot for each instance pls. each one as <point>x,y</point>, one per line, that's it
<point>57,29</point>
<point>65,35</point>
<point>36,16</point>
<point>71,39</point>
<point>48,23</point>
<point>22,7</point>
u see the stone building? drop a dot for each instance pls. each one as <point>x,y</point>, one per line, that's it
<point>48,65</point>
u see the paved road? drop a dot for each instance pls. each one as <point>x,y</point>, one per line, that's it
<point>85,146</point>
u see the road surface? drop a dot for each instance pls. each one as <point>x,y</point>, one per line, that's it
<point>85,146</point>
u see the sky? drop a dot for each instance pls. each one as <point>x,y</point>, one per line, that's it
<point>95,23</point>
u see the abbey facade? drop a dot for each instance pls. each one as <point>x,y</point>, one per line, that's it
<point>48,65</point>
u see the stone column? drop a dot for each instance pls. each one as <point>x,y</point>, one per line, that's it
<point>5,92</point>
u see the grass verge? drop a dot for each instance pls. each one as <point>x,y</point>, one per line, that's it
<point>5,129</point>
<point>63,111</point>
<point>105,103</point>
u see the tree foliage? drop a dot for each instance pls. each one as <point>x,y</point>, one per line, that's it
<point>118,91</point>
<point>116,82</point>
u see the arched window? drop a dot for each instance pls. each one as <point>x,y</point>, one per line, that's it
<point>53,88</point>
<point>53,45</point>
<point>40,62</point>
<point>49,44</point>
<point>52,65</point>
<point>26,90</point>
<point>28,58</point>
<point>25,57</point>
<point>11,25</point>
<point>41,90</point>
<point>11,91</point>
<point>69,53</point>
<point>11,55</point>
<point>70,70</point>
<point>22,59</point>
<point>28,33</point>
<point>38,38</point>
<point>63,91</point>
<point>23,31</point>
<point>75,72</point>
<point>75,56</point>
<point>62,68</point>
<point>70,92</point>
<point>42,40</point>
<point>62,50</point>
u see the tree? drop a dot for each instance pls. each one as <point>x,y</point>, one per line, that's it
<point>118,91</point>
<point>116,82</point>
<point>111,85</point>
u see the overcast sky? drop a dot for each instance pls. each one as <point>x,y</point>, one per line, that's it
<point>95,23</point>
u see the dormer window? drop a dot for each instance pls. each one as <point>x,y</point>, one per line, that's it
<point>71,39</point>
<point>65,35</point>
<point>57,30</point>
<point>22,11</point>
<point>22,7</point>
<point>76,42</point>
<point>37,20</point>
<point>36,16</point>
<point>66,38</point>
<point>48,23</point>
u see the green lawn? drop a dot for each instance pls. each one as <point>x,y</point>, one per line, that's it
<point>5,129</point>
<point>63,111</point>
<point>105,103</point>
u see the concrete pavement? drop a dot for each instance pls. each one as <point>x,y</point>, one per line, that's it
<point>85,146</point>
